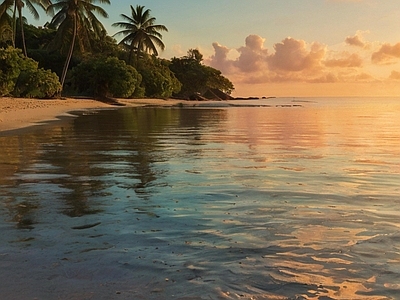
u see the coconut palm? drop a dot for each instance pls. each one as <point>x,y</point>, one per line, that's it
<point>141,34</point>
<point>18,6</point>
<point>76,21</point>
<point>5,21</point>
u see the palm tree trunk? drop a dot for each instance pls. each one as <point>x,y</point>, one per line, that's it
<point>14,24</point>
<point>21,24</point>
<point>130,56</point>
<point>138,54</point>
<point>71,51</point>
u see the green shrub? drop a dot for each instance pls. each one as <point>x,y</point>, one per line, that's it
<point>21,77</point>
<point>158,80</point>
<point>38,83</point>
<point>9,69</point>
<point>109,77</point>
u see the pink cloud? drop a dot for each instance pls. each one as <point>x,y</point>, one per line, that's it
<point>326,78</point>
<point>357,40</point>
<point>253,55</point>
<point>386,54</point>
<point>395,75</point>
<point>292,55</point>
<point>364,77</point>
<point>220,59</point>
<point>294,60</point>
<point>349,61</point>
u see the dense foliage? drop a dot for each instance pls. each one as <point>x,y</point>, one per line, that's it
<point>158,79</point>
<point>197,78</point>
<point>76,40</point>
<point>109,77</point>
<point>21,77</point>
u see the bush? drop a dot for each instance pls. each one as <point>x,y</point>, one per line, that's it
<point>37,84</point>
<point>158,80</point>
<point>109,77</point>
<point>21,77</point>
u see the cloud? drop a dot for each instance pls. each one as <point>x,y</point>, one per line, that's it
<point>295,60</point>
<point>364,77</point>
<point>220,59</point>
<point>347,61</point>
<point>327,78</point>
<point>292,55</point>
<point>178,49</point>
<point>354,41</point>
<point>253,55</point>
<point>395,75</point>
<point>357,40</point>
<point>387,54</point>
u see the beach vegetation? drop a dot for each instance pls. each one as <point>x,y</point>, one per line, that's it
<point>6,33</point>
<point>141,34</point>
<point>18,6</point>
<point>37,83</point>
<point>36,37</point>
<point>197,78</point>
<point>20,76</point>
<point>106,78</point>
<point>77,26</point>
<point>76,40</point>
<point>158,79</point>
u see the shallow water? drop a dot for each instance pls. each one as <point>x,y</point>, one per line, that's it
<point>296,199</point>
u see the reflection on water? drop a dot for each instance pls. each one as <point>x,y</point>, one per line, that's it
<point>280,202</point>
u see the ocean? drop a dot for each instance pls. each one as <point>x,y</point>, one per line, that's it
<point>286,198</point>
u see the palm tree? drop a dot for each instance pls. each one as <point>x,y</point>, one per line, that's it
<point>18,6</point>
<point>141,34</point>
<point>75,20</point>
<point>5,21</point>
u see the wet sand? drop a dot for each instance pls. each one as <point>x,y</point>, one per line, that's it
<point>17,113</point>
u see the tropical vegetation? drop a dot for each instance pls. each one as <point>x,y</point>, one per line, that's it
<point>111,77</point>
<point>21,77</point>
<point>197,78</point>
<point>76,20</point>
<point>72,54</point>
<point>140,33</point>
<point>18,6</point>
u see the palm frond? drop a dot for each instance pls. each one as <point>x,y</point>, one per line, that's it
<point>32,9</point>
<point>140,31</point>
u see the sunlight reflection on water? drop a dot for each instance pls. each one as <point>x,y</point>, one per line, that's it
<point>277,202</point>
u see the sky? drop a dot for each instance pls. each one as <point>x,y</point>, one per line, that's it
<point>284,48</point>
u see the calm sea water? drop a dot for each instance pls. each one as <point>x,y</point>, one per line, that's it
<point>269,199</point>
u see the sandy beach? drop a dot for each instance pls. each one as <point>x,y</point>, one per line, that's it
<point>16,113</point>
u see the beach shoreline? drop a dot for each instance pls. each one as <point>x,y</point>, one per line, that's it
<point>19,113</point>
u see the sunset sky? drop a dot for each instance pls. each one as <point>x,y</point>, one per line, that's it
<point>286,47</point>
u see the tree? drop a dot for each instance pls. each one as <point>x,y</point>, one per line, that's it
<point>37,37</point>
<point>106,77</point>
<point>76,21</point>
<point>18,6</point>
<point>197,78</point>
<point>5,22</point>
<point>141,34</point>
<point>158,80</point>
